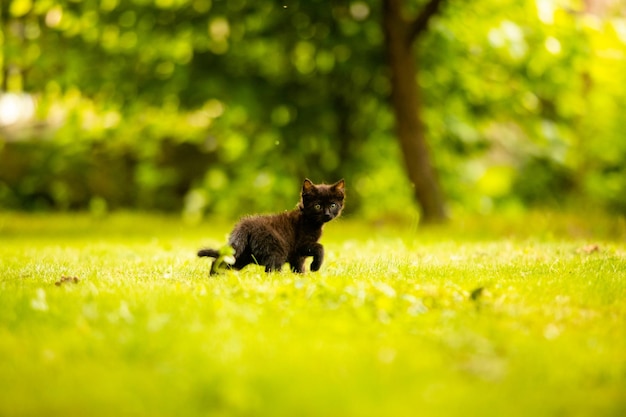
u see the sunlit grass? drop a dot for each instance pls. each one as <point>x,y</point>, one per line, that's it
<point>515,317</point>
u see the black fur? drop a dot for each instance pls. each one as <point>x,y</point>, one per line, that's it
<point>273,240</point>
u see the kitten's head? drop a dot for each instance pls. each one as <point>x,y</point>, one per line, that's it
<point>322,203</point>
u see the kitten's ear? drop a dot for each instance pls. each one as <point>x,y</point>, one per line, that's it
<point>339,185</point>
<point>307,186</point>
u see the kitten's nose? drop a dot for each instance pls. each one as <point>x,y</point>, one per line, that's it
<point>327,215</point>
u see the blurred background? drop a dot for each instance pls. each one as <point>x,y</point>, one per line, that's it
<point>222,107</point>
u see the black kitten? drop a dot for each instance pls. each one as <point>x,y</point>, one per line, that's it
<point>272,240</point>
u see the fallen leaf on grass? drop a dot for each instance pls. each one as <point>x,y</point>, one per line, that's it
<point>476,293</point>
<point>64,280</point>
<point>589,249</point>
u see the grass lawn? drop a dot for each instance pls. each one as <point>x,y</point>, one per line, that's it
<point>493,317</point>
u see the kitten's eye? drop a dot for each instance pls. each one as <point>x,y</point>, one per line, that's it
<point>333,206</point>
<point>317,207</point>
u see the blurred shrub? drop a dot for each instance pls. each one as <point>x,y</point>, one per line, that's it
<point>224,107</point>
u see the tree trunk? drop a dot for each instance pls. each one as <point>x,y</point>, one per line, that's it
<point>399,37</point>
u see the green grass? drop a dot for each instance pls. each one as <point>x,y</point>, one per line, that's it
<point>493,317</point>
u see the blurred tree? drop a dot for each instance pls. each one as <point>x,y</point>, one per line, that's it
<point>400,37</point>
<point>222,106</point>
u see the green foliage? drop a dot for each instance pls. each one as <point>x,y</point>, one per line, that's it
<point>522,90</point>
<point>117,316</point>
<point>224,106</point>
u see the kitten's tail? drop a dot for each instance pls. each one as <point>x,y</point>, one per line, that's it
<point>211,253</point>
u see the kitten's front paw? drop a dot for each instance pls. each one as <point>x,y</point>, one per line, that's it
<point>316,265</point>
<point>318,257</point>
